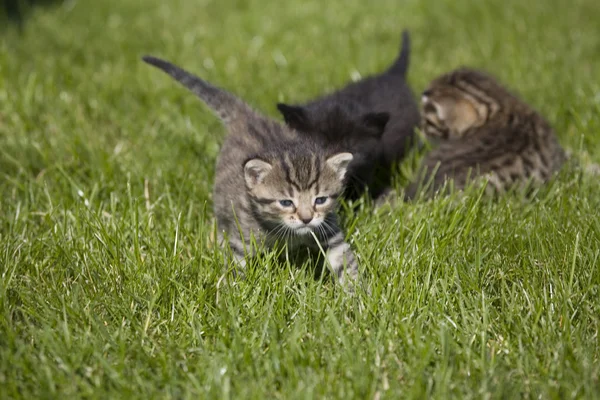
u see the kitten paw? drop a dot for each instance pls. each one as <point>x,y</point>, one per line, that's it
<point>389,197</point>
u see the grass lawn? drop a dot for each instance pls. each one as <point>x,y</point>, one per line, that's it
<point>108,282</point>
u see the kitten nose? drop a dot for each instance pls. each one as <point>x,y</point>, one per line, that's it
<point>427,93</point>
<point>306,220</point>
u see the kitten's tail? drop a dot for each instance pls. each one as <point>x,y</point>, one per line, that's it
<point>400,66</point>
<point>224,104</point>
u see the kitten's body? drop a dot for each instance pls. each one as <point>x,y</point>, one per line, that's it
<point>272,185</point>
<point>485,132</point>
<point>373,118</point>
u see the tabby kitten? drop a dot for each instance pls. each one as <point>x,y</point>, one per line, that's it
<point>272,184</point>
<point>374,119</point>
<point>484,132</point>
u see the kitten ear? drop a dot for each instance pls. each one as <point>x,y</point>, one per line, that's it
<point>294,116</point>
<point>339,163</point>
<point>376,120</point>
<point>255,171</point>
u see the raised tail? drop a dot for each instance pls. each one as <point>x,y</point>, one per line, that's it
<point>224,104</point>
<point>400,66</point>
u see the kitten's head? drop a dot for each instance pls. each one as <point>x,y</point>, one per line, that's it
<point>343,127</point>
<point>457,103</point>
<point>294,189</point>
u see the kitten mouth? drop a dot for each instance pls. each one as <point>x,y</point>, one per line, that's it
<point>303,230</point>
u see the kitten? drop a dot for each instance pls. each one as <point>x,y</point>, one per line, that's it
<point>484,132</point>
<point>272,185</point>
<point>374,118</point>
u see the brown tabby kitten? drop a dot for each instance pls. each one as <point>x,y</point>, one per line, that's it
<point>484,132</point>
<point>272,184</point>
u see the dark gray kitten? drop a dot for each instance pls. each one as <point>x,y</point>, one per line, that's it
<point>271,184</point>
<point>374,119</point>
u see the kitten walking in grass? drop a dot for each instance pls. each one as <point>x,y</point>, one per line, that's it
<point>483,132</point>
<point>272,185</point>
<point>374,118</point>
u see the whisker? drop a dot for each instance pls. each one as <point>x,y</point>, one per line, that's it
<point>330,228</point>
<point>278,231</point>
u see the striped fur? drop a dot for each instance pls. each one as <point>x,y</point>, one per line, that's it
<point>484,132</point>
<point>272,185</point>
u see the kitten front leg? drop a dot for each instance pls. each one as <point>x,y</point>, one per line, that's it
<point>341,261</point>
<point>388,196</point>
<point>238,256</point>
<point>239,264</point>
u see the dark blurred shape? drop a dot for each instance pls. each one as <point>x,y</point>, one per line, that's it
<point>17,10</point>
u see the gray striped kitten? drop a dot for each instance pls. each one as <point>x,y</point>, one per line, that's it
<point>272,185</point>
<point>483,131</point>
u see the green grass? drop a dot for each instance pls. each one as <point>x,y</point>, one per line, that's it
<point>108,283</point>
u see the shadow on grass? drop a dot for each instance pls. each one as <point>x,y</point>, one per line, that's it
<point>16,11</point>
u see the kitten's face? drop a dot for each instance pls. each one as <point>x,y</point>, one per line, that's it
<point>449,113</point>
<point>457,103</point>
<point>295,193</point>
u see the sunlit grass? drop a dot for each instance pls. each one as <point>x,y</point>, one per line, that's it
<point>109,283</point>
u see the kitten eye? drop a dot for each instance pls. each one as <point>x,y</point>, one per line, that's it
<point>320,200</point>
<point>286,203</point>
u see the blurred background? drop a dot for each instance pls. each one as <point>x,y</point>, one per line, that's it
<point>16,10</point>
